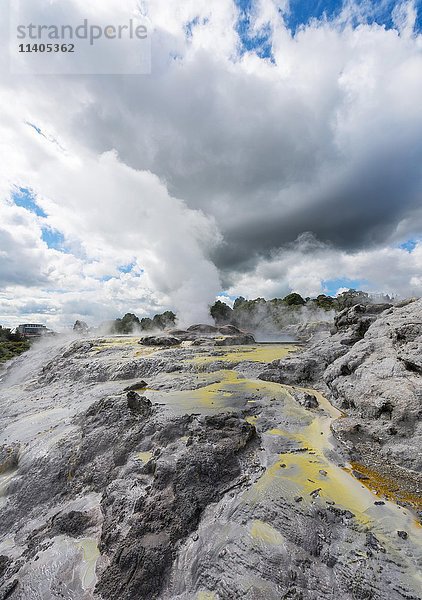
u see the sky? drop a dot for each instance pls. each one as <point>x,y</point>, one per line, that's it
<point>275,146</point>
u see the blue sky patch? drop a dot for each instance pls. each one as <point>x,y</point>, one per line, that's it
<point>228,296</point>
<point>258,42</point>
<point>26,199</point>
<point>303,11</point>
<point>330,286</point>
<point>123,269</point>
<point>53,238</point>
<point>410,245</point>
<point>127,268</point>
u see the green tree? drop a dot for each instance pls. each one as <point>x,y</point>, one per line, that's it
<point>221,312</point>
<point>239,302</point>
<point>325,302</point>
<point>294,299</point>
<point>11,344</point>
<point>147,324</point>
<point>164,320</point>
<point>127,324</point>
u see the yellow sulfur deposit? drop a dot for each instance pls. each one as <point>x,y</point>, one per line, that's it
<point>144,456</point>
<point>265,533</point>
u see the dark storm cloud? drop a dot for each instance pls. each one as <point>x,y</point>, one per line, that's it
<point>362,210</point>
<point>325,138</point>
<point>271,156</point>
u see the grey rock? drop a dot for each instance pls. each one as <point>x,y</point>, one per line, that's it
<point>305,399</point>
<point>9,457</point>
<point>172,510</point>
<point>172,491</point>
<point>138,404</point>
<point>5,562</point>
<point>293,370</point>
<point>139,385</point>
<point>242,339</point>
<point>73,523</point>
<point>373,543</point>
<point>370,367</point>
<point>160,340</point>
<point>203,328</point>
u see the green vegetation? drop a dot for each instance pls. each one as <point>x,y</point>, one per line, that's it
<point>130,323</point>
<point>11,344</point>
<point>278,313</point>
<point>294,300</point>
<point>351,298</point>
<point>221,313</point>
<point>161,321</point>
<point>126,325</point>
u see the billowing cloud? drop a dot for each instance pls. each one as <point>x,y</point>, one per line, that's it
<point>238,142</point>
<point>120,229</point>
<point>311,267</point>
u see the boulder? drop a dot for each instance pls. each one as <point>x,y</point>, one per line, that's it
<point>244,339</point>
<point>230,330</point>
<point>137,403</point>
<point>160,340</point>
<point>139,385</point>
<point>202,328</point>
<point>73,523</point>
<point>305,399</point>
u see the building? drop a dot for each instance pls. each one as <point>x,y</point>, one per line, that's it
<point>32,330</point>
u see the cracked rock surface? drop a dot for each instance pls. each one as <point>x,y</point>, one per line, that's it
<point>137,471</point>
<point>370,367</point>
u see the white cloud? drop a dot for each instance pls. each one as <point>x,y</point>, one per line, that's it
<point>110,215</point>
<point>214,164</point>
<point>305,265</point>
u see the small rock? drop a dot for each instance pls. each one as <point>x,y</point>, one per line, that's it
<point>315,493</point>
<point>341,512</point>
<point>331,561</point>
<point>298,498</point>
<point>138,403</point>
<point>379,503</point>
<point>307,400</point>
<point>5,562</point>
<point>139,385</point>
<point>9,457</point>
<point>73,523</point>
<point>403,535</point>
<point>373,542</point>
<point>323,473</point>
<point>359,476</point>
<point>158,340</point>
